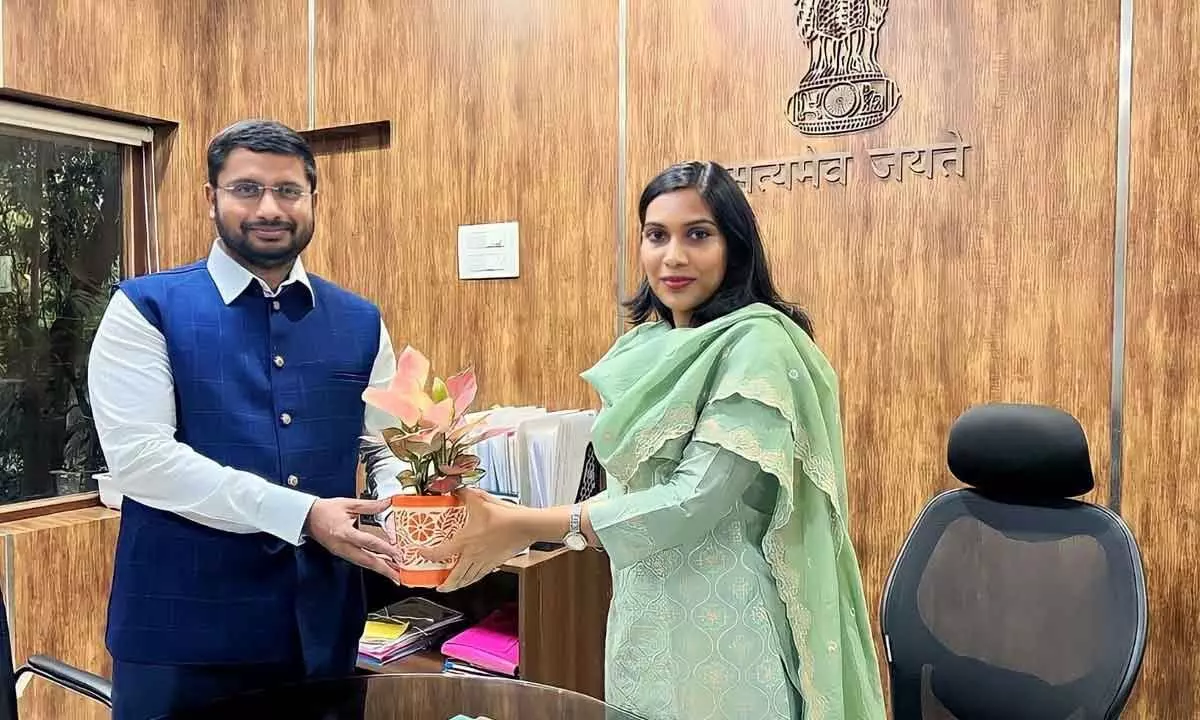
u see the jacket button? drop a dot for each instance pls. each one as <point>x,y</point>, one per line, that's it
<point>274,304</point>
<point>286,419</point>
<point>278,361</point>
<point>293,481</point>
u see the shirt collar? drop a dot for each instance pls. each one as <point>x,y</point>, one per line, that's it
<point>232,279</point>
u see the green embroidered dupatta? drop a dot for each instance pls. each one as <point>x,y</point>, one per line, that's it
<point>659,383</point>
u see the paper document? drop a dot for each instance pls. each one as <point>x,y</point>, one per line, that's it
<point>540,461</point>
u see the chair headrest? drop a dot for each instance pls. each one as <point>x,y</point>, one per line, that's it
<point>1021,451</point>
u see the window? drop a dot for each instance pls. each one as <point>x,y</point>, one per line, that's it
<point>76,200</point>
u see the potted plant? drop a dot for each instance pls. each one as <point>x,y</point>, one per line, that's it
<point>433,435</point>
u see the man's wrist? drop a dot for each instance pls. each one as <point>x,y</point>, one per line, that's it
<point>284,512</point>
<point>305,530</point>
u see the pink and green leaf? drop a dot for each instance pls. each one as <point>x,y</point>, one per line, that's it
<point>412,370</point>
<point>462,465</point>
<point>439,415</point>
<point>461,430</point>
<point>481,436</point>
<point>463,387</point>
<point>443,484</point>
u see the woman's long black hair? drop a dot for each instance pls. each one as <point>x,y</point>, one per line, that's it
<point>747,278</point>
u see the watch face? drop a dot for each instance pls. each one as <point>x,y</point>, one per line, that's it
<point>575,541</point>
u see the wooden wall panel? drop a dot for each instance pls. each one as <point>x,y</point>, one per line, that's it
<point>57,576</point>
<point>1160,496</point>
<point>929,296</point>
<point>201,64</point>
<point>490,123</point>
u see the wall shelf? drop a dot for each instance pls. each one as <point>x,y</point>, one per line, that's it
<point>345,138</point>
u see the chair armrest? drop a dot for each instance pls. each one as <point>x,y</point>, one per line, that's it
<point>72,678</point>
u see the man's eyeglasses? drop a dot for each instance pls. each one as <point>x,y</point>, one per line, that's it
<point>254,191</point>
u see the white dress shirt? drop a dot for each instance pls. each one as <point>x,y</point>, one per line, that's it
<point>133,402</point>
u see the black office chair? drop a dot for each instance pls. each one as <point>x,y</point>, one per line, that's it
<point>1009,600</point>
<point>72,678</point>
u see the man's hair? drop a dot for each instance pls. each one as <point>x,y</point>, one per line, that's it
<point>260,136</point>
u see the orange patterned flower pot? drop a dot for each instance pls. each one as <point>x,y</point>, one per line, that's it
<point>425,520</point>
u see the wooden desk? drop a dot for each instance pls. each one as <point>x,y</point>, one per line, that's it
<point>411,697</point>
<point>562,603</point>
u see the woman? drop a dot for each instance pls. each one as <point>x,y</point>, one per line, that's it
<point>736,592</point>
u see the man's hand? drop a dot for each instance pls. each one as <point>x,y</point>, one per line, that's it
<point>388,522</point>
<point>331,523</point>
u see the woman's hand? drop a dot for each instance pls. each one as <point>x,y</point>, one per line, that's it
<point>494,533</point>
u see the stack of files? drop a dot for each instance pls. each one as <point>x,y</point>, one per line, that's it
<point>550,462</point>
<point>404,628</point>
<point>495,458</point>
<point>491,648</point>
<point>458,667</point>
<point>540,460</point>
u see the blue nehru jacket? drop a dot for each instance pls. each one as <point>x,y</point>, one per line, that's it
<point>271,386</point>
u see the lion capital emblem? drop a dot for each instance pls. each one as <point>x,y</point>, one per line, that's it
<point>845,90</point>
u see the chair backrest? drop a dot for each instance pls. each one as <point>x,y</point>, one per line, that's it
<point>1009,600</point>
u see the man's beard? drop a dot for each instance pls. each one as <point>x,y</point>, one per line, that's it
<point>278,255</point>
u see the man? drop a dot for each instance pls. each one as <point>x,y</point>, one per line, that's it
<point>228,400</point>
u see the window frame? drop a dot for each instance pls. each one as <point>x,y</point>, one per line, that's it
<point>139,250</point>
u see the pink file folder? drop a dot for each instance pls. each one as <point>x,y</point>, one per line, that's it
<point>491,645</point>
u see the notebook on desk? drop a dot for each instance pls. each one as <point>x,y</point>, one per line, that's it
<point>493,644</point>
<point>403,628</point>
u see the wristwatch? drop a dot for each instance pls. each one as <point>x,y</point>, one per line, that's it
<point>574,539</point>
